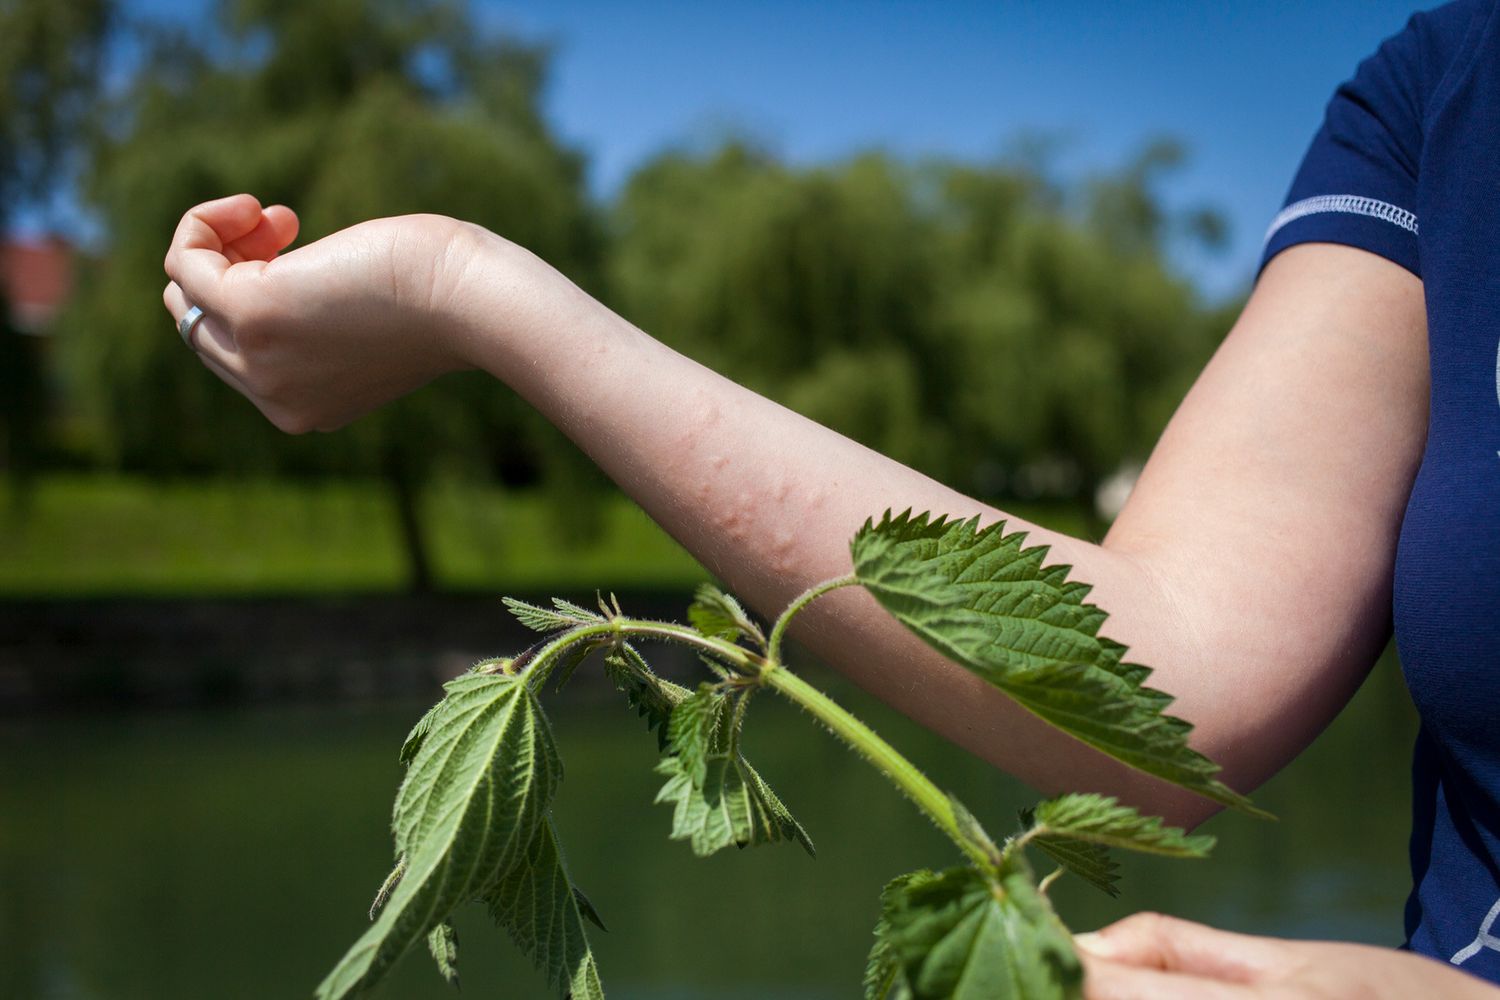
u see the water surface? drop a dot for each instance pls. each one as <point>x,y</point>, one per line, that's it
<point>232,853</point>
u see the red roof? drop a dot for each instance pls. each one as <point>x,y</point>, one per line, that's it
<point>37,276</point>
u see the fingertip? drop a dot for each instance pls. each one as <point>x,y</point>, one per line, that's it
<point>231,217</point>
<point>1095,944</point>
<point>283,222</point>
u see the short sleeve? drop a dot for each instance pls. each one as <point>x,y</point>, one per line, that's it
<point>1357,184</point>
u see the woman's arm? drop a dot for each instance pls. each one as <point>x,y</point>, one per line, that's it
<point>1251,568</point>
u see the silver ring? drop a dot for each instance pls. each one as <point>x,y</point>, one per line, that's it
<point>185,325</point>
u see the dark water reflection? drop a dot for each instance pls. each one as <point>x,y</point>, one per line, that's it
<point>232,854</point>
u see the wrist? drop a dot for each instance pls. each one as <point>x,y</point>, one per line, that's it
<point>490,297</point>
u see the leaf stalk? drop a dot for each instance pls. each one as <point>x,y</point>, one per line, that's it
<point>773,648</point>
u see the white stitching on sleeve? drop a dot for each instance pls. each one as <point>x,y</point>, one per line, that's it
<point>1352,204</point>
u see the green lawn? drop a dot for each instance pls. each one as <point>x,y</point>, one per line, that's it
<point>111,535</point>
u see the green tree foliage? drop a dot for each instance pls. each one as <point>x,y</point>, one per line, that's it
<point>346,110</point>
<point>974,320</point>
<point>816,286</point>
<point>51,58</point>
<point>981,321</point>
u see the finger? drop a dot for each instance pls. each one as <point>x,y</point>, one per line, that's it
<point>209,339</point>
<point>196,259</point>
<point>275,231</point>
<point>1104,980</point>
<point>1154,941</point>
<point>226,374</point>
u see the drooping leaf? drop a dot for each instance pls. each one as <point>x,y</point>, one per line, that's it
<point>568,662</point>
<point>718,798</point>
<point>443,944</point>
<point>474,795</point>
<point>1090,862</point>
<point>537,904</point>
<point>782,821</point>
<point>652,697</point>
<point>962,934</point>
<point>698,730</point>
<point>983,599</point>
<point>1100,819</point>
<point>728,806</point>
<point>718,615</point>
<point>562,615</point>
<point>586,908</point>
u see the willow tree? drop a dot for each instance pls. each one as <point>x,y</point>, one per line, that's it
<point>976,320</point>
<point>51,63</point>
<point>346,110</point>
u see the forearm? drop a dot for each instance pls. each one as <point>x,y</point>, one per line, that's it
<point>1251,568</point>
<point>768,500</point>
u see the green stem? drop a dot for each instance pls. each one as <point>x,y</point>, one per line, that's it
<point>860,737</point>
<point>536,669</point>
<point>773,649</point>
<point>884,757</point>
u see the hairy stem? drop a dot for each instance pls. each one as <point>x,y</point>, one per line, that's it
<point>881,755</point>
<point>773,648</point>
<point>766,671</point>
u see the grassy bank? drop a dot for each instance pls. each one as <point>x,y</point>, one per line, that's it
<point>110,535</point>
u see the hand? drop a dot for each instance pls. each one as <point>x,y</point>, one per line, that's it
<point>330,331</point>
<point>1152,957</point>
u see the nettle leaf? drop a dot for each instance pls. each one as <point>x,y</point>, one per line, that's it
<point>718,798</point>
<point>699,729</point>
<point>1100,819</point>
<point>562,615</point>
<point>718,615</point>
<point>983,599</point>
<point>475,793</point>
<point>418,735</point>
<point>652,697</point>
<point>568,662</point>
<point>443,944</point>
<point>731,804</point>
<point>1090,862</point>
<point>884,979</point>
<point>963,934</point>
<point>537,904</point>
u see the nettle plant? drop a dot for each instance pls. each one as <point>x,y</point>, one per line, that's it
<point>472,821</point>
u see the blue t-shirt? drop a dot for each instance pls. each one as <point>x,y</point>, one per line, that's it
<point>1407,165</point>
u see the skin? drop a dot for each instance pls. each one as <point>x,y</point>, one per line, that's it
<point>1251,568</point>
<point>1152,957</point>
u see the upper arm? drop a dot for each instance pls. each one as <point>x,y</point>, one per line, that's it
<point>1269,513</point>
<point>1270,509</point>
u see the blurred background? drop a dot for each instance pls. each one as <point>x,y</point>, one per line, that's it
<point>995,241</point>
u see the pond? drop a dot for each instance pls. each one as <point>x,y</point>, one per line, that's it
<point>232,853</point>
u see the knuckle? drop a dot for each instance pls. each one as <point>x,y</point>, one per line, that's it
<point>1146,923</point>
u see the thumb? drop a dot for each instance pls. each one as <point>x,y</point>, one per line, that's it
<point>1154,941</point>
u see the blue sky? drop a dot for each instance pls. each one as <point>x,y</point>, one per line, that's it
<point>1243,84</point>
